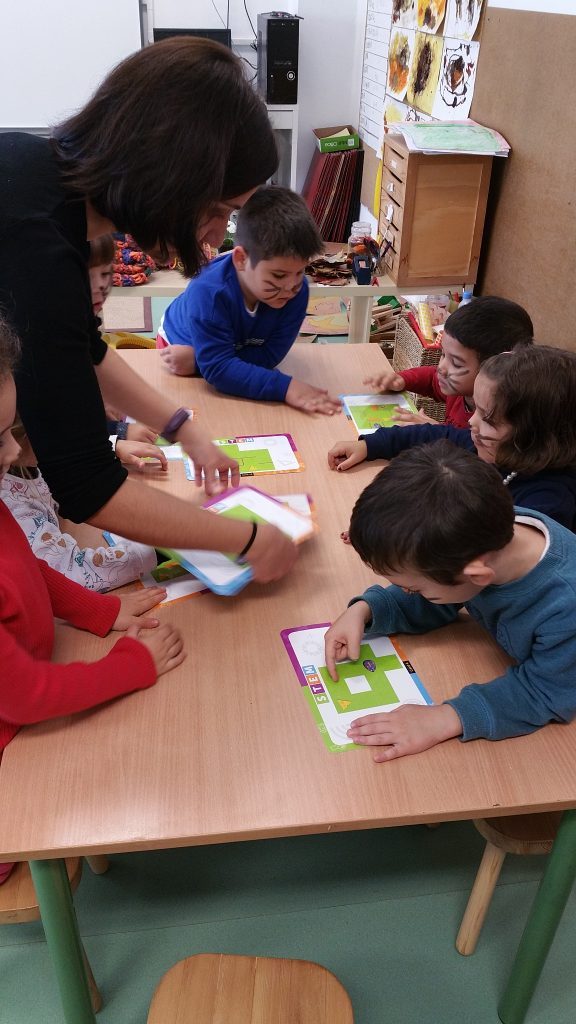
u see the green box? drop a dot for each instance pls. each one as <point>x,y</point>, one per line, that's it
<point>326,144</point>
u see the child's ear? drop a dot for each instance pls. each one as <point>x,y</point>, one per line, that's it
<point>479,572</point>
<point>239,257</point>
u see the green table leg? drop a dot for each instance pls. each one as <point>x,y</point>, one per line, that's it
<point>542,923</point>
<point>61,929</point>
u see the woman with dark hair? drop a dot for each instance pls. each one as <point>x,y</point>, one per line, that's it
<point>172,141</point>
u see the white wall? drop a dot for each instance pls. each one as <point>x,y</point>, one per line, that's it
<point>331,48</point>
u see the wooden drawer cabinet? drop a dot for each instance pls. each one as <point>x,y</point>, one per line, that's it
<point>435,206</point>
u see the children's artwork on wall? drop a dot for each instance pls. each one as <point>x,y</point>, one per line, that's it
<point>399,59</point>
<point>462,17</point>
<point>431,14</point>
<point>457,79</point>
<point>396,113</point>
<point>404,13</point>
<point>424,71</point>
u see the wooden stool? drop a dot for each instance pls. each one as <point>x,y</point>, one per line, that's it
<point>18,903</point>
<point>526,833</point>
<point>214,987</point>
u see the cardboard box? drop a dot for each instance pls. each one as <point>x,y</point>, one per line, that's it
<point>326,144</point>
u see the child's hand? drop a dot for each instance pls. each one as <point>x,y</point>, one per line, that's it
<point>311,399</point>
<point>133,453</point>
<point>135,604</point>
<point>165,645</point>
<point>343,638</point>
<point>407,730</point>
<point>178,359</point>
<point>272,554</point>
<point>389,380</point>
<point>402,417</point>
<point>139,432</point>
<point>347,454</point>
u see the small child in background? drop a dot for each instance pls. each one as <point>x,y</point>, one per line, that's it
<point>438,524</point>
<point>523,423</point>
<point>25,493</point>
<point>32,687</point>
<point>472,334</point>
<point>239,318</point>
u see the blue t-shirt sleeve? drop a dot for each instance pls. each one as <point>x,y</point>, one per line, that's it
<point>386,442</point>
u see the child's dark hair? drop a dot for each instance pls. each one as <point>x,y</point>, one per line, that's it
<point>102,250</point>
<point>9,349</point>
<point>172,130</point>
<point>276,222</point>
<point>535,392</point>
<point>489,325</point>
<point>434,509</point>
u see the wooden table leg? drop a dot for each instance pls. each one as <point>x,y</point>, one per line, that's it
<point>61,930</point>
<point>542,923</point>
<point>360,316</point>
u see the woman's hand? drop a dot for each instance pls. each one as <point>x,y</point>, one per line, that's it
<point>135,453</point>
<point>272,554</point>
<point>135,604</point>
<point>347,454</point>
<point>210,461</point>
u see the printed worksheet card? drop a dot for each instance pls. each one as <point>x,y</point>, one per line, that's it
<point>301,503</point>
<point>222,573</point>
<point>381,680</point>
<point>368,412</point>
<point>262,453</point>
<point>178,582</point>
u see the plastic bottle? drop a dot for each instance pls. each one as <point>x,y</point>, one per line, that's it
<point>358,232</point>
<point>466,298</point>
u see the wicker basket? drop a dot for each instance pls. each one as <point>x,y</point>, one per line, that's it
<point>408,352</point>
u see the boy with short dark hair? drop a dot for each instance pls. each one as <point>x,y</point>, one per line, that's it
<point>238,319</point>
<point>472,334</point>
<point>441,527</point>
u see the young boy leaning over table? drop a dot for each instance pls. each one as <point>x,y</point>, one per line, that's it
<point>439,525</point>
<point>241,315</point>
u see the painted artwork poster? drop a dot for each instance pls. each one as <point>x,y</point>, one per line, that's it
<point>430,14</point>
<point>399,60</point>
<point>457,80</point>
<point>424,72</point>
<point>404,13</point>
<point>396,112</point>
<point>462,17</point>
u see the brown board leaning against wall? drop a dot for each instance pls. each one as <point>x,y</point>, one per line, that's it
<point>523,90</point>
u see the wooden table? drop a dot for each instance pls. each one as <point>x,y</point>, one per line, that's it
<point>224,748</point>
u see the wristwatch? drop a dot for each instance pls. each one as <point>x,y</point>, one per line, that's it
<point>174,423</point>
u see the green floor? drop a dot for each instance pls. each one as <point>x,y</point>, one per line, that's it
<point>379,908</point>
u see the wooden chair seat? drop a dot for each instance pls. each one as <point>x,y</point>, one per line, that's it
<point>19,903</point>
<point>213,988</point>
<point>521,834</point>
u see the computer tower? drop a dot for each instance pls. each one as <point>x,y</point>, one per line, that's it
<point>277,53</point>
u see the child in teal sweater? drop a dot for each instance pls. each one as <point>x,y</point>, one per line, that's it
<point>463,545</point>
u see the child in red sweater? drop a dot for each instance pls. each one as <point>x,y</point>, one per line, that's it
<point>32,594</point>
<point>483,328</point>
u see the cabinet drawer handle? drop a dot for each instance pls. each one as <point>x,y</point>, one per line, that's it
<point>390,187</point>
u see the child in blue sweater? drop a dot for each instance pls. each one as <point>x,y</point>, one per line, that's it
<point>521,423</point>
<point>238,319</point>
<point>462,544</point>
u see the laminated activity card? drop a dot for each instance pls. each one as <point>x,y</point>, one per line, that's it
<point>264,453</point>
<point>179,583</point>
<point>381,680</point>
<point>368,412</point>
<point>223,573</point>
